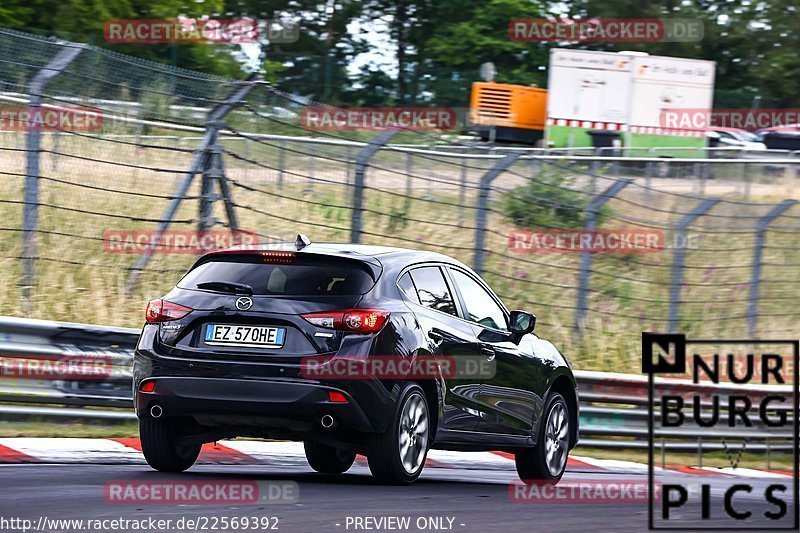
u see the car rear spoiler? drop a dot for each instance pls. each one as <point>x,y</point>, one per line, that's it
<point>373,266</point>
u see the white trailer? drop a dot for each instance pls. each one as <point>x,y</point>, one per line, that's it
<point>625,92</point>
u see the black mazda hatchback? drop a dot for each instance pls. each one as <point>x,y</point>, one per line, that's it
<point>386,352</point>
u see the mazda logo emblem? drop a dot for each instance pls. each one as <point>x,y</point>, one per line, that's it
<point>244,303</point>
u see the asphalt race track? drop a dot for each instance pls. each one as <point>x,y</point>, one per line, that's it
<point>475,500</point>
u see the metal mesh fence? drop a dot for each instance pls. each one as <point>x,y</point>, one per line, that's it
<point>725,263</point>
<point>117,85</point>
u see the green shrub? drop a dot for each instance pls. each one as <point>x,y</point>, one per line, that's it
<point>548,200</point>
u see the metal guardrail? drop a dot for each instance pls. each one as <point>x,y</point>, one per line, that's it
<point>48,341</point>
<point>613,407</point>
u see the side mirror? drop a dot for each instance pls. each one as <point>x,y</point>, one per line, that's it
<point>522,322</point>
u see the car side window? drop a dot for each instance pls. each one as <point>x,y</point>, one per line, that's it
<point>481,307</point>
<point>432,289</point>
<point>407,286</point>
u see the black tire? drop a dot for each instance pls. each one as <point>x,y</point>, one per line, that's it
<point>532,463</point>
<point>159,435</point>
<point>384,451</point>
<point>327,459</point>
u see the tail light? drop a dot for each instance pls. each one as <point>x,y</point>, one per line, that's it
<point>148,386</point>
<point>278,257</point>
<point>353,320</point>
<point>336,397</point>
<point>159,310</point>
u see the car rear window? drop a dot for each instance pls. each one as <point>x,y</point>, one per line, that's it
<point>300,278</point>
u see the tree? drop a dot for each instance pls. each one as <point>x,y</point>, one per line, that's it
<point>84,20</point>
<point>437,46</point>
<point>465,35</point>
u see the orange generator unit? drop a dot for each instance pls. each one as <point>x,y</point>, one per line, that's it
<point>509,113</point>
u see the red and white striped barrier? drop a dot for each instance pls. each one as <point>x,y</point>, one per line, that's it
<point>252,452</point>
<point>614,126</point>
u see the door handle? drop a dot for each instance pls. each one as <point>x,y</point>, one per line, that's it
<point>488,352</point>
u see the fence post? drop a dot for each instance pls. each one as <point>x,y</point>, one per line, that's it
<point>30,210</point>
<point>348,163</point>
<point>281,164</point>
<point>615,167</point>
<point>409,174</point>
<point>210,174</point>
<point>758,250</point>
<point>700,452</point>
<point>203,159</point>
<point>462,189</point>
<point>678,259</point>
<point>483,206</point>
<point>247,150</point>
<point>362,159</point>
<point>746,180</point>
<point>700,175</point>
<point>409,183</point>
<point>594,168</point>
<point>215,173</point>
<point>56,150</point>
<point>769,456</point>
<point>227,197</point>
<point>592,210</point>
<point>312,170</point>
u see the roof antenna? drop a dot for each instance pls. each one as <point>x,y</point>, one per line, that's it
<point>301,241</point>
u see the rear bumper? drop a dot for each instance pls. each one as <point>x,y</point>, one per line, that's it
<point>289,405</point>
<point>258,394</point>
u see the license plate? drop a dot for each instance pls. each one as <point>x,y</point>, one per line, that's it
<point>254,336</point>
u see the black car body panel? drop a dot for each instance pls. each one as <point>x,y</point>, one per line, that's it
<point>236,390</point>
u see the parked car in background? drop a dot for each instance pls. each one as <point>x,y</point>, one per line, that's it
<point>784,137</point>
<point>735,138</point>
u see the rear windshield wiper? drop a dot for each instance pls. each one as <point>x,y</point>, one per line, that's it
<point>226,286</point>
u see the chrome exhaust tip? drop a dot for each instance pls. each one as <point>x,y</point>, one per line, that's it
<point>327,421</point>
<point>156,411</point>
